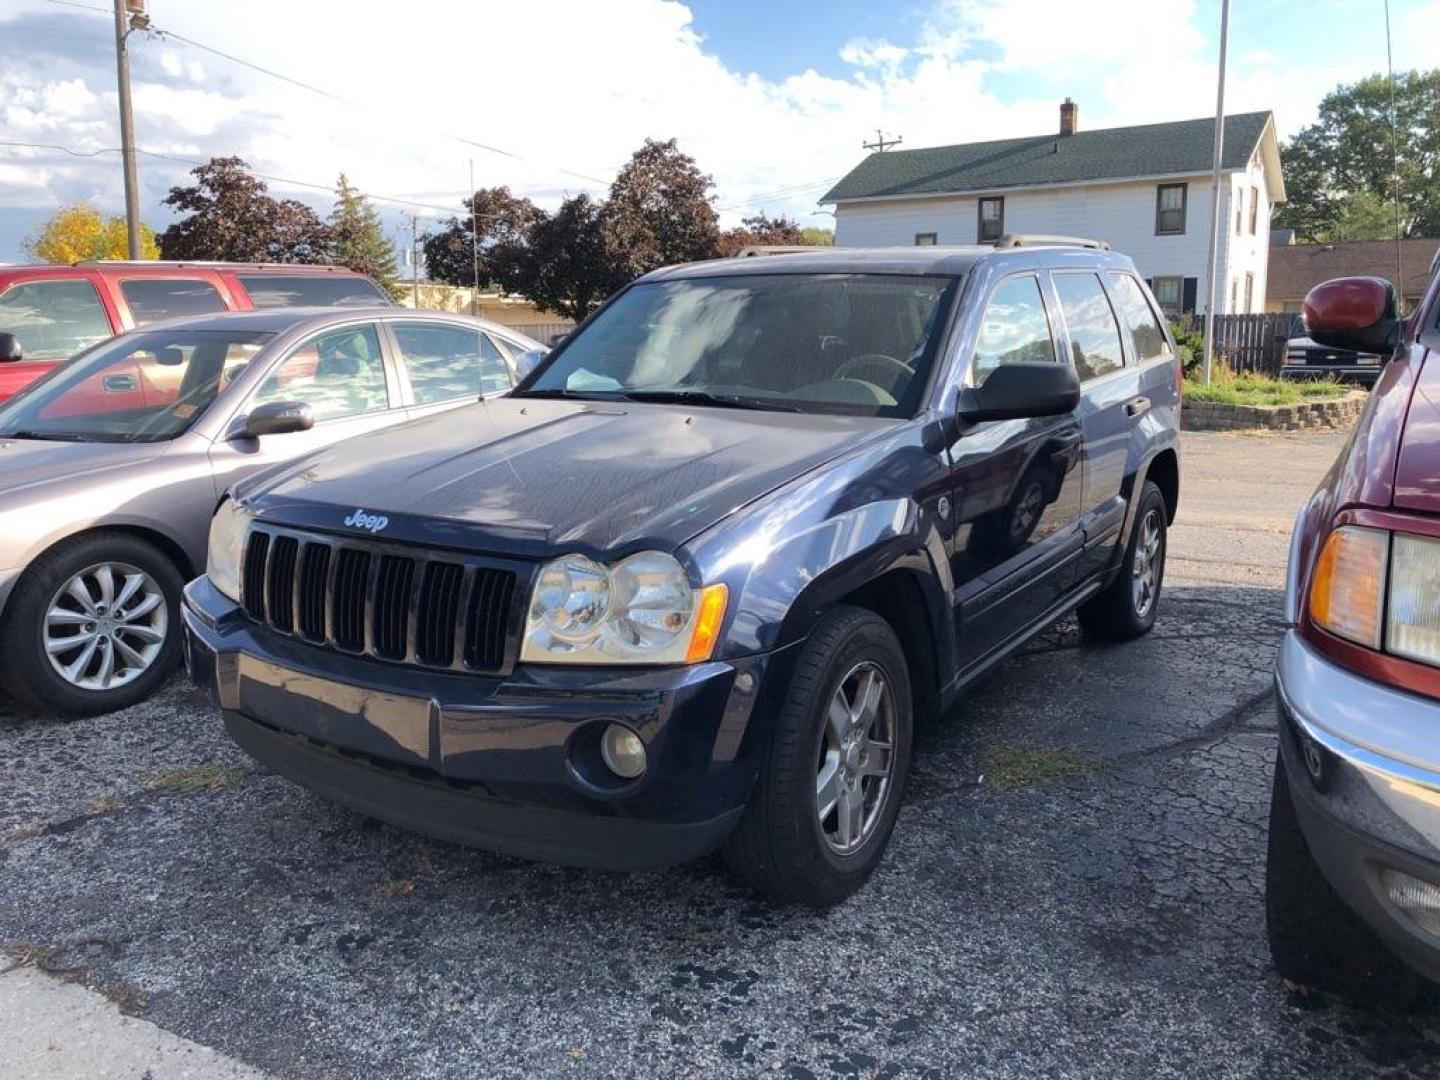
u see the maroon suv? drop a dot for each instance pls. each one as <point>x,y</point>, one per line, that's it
<point>48,313</point>
<point>1353,886</point>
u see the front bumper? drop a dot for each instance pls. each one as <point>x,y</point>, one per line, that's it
<point>1360,374</point>
<point>1364,767</point>
<point>507,764</point>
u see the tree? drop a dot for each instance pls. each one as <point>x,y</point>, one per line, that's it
<point>658,212</point>
<point>500,218</point>
<point>562,264</point>
<point>232,217</point>
<point>817,237</point>
<point>79,232</point>
<point>1360,215</point>
<point>760,230</point>
<point>1347,151</point>
<point>357,238</point>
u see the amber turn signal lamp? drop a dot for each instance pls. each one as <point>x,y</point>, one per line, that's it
<point>713,599</point>
<point>1347,593</point>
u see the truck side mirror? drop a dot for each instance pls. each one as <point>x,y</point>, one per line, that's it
<point>1355,313</point>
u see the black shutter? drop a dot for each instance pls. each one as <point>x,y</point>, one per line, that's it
<point>1187,298</point>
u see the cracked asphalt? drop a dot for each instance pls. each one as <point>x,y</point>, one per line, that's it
<point>1074,888</point>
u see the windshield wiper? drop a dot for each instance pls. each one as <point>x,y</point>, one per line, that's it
<point>579,395</point>
<point>45,436</point>
<point>704,397</point>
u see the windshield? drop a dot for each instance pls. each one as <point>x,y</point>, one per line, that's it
<point>143,387</point>
<point>861,344</point>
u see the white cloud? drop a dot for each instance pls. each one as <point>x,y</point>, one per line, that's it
<point>578,85</point>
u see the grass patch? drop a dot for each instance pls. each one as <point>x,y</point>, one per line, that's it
<point>1228,389</point>
<point>1010,767</point>
<point>193,781</point>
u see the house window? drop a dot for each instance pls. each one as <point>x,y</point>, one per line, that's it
<point>1170,209</point>
<point>1239,209</point>
<point>925,239</point>
<point>992,220</point>
<point>1234,295</point>
<point>1249,292</point>
<point>1169,294</point>
<point>1254,209</point>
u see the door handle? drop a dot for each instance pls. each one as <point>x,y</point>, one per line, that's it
<point>1137,406</point>
<point>120,384</point>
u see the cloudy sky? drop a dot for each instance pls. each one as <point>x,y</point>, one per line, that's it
<point>551,96</point>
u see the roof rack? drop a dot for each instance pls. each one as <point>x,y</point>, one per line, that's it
<point>213,264</point>
<point>1015,240</point>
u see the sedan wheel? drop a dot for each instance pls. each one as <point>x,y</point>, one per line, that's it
<point>105,626</point>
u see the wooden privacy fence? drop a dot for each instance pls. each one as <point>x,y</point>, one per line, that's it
<point>1254,343</point>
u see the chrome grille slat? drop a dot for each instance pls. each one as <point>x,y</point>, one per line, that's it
<point>381,600</point>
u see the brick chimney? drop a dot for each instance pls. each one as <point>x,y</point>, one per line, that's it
<point>1069,117</point>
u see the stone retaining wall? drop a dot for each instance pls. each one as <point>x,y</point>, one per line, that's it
<point>1308,415</point>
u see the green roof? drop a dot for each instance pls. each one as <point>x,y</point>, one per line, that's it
<point>1183,146</point>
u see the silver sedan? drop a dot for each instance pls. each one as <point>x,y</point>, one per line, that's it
<point>112,466</point>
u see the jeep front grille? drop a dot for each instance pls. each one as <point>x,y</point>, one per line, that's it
<point>380,600</point>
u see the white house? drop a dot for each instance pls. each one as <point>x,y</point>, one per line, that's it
<point>1145,190</point>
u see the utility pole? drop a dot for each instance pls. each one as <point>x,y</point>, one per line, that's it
<point>1394,163</point>
<point>1213,267</point>
<point>474,248</point>
<point>881,143</point>
<point>415,260</point>
<point>129,15</point>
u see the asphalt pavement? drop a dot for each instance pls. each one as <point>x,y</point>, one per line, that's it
<point>1074,888</point>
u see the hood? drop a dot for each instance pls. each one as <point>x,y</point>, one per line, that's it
<point>28,463</point>
<point>530,476</point>
<point>1417,472</point>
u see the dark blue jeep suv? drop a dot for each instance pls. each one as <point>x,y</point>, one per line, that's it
<point>689,586</point>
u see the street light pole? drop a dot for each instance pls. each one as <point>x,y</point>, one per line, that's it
<point>127,125</point>
<point>1213,268</point>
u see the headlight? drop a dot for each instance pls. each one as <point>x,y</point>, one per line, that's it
<point>1412,628</point>
<point>227,545</point>
<point>642,610</point>
<point>1348,590</point>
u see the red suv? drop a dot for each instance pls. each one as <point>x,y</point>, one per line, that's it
<point>48,313</point>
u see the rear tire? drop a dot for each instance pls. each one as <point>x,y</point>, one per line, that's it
<point>1126,608</point>
<point>1316,941</point>
<point>109,589</point>
<point>825,752</point>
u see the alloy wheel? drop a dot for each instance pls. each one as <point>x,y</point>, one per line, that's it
<point>856,758</point>
<point>1149,555</point>
<point>105,626</point>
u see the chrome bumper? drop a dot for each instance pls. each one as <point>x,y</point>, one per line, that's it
<point>1364,768</point>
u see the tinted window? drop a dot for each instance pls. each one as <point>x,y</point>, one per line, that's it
<point>153,300</point>
<point>1145,332</point>
<point>1094,337</point>
<point>312,290</point>
<point>52,319</point>
<point>449,362</point>
<point>338,373</point>
<point>146,386</point>
<point>1015,329</point>
<point>861,344</point>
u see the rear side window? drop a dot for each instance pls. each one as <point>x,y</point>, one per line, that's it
<point>52,319</point>
<point>1015,329</point>
<point>153,299</point>
<point>1145,332</point>
<point>312,290</point>
<point>447,362</point>
<point>1090,323</point>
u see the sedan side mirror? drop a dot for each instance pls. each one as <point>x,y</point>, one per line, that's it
<point>1021,390</point>
<point>1360,314</point>
<point>10,347</point>
<point>277,418</point>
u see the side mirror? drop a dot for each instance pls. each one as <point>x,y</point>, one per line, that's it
<point>10,347</point>
<point>1021,390</point>
<point>527,362</point>
<point>1355,313</point>
<point>276,418</point>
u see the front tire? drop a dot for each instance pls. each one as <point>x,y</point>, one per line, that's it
<point>1315,939</point>
<point>824,807</point>
<point>92,626</point>
<point>1125,609</point>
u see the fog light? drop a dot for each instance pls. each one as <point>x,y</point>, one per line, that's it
<point>622,751</point>
<point>1418,899</point>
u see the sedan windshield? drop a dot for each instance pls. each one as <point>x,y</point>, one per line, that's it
<point>142,387</point>
<point>861,344</point>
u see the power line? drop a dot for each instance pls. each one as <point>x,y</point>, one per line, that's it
<point>765,196</point>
